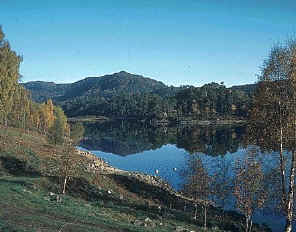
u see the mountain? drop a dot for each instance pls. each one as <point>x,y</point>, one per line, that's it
<point>116,95</point>
<point>124,95</point>
<point>41,90</point>
<point>105,86</point>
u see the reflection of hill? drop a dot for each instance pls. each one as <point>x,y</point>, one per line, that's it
<point>112,145</point>
<point>126,138</point>
<point>122,138</point>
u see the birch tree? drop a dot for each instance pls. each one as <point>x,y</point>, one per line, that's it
<point>198,185</point>
<point>60,128</point>
<point>9,77</point>
<point>273,116</point>
<point>248,187</point>
<point>71,162</point>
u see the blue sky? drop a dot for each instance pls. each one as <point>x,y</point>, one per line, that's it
<point>175,41</point>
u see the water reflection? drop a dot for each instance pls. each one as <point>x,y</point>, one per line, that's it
<point>219,152</point>
<point>247,181</point>
<point>127,138</point>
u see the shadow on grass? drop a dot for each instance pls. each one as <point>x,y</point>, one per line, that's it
<point>145,190</point>
<point>83,189</point>
<point>174,206</point>
<point>17,167</point>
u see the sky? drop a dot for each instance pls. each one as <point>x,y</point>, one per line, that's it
<point>178,42</point>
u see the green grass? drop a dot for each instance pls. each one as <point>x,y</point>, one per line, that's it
<point>26,208</point>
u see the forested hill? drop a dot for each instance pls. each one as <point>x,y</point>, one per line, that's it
<point>41,90</point>
<point>124,95</point>
<point>105,86</point>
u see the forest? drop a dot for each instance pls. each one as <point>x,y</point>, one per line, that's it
<point>128,96</point>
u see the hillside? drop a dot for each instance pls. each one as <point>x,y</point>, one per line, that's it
<point>128,96</point>
<point>41,90</point>
<point>108,86</point>
<point>99,198</point>
<point>105,86</point>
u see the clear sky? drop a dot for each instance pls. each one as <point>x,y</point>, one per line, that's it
<point>175,41</point>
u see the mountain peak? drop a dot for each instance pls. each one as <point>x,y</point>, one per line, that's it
<point>123,72</point>
<point>105,87</point>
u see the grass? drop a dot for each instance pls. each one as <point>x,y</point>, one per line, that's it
<point>26,203</point>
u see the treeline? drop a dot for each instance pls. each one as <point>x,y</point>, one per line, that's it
<point>16,106</point>
<point>212,101</point>
<point>209,102</point>
<point>123,106</point>
<point>128,96</point>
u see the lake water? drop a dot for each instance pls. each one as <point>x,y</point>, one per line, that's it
<point>170,151</point>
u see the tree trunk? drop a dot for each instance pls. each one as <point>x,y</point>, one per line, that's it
<point>282,167</point>
<point>247,224</point>
<point>290,197</point>
<point>205,217</point>
<point>5,121</point>
<point>251,224</point>
<point>65,183</point>
<point>195,213</point>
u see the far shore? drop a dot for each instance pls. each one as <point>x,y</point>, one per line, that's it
<point>215,122</point>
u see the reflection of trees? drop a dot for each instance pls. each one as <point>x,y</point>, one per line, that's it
<point>250,184</point>
<point>223,183</point>
<point>126,138</point>
<point>211,140</point>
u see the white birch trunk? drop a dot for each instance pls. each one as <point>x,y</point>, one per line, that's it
<point>290,197</point>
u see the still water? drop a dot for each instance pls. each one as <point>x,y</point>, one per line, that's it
<point>145,149</point>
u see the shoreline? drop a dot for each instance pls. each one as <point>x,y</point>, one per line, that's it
<point>164,122</point>
<point>181,201</point>
<point>97,164</point>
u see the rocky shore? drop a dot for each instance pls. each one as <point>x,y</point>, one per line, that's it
<point>97,164</point>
